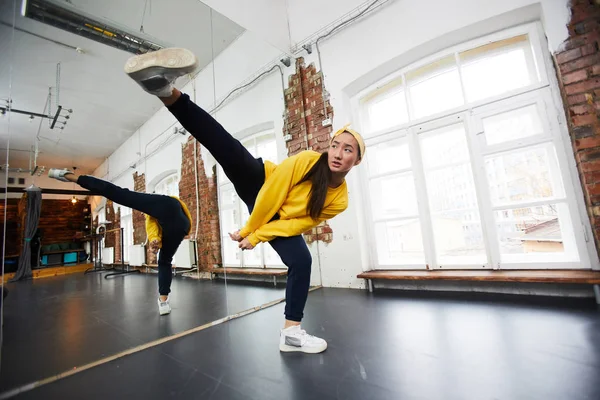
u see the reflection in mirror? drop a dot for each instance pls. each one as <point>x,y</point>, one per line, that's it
<point>84,108</point>
<point>139,191</point>
<point>9,242</point>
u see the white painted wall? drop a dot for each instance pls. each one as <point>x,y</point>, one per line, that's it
<point>310,16</point>
<point>396,35</point>
<point>267,18</point>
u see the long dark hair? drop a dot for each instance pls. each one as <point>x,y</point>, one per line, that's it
<point>320,177</point>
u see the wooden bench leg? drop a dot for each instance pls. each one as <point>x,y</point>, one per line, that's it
<point>370,285</point>
<point>597,293</point>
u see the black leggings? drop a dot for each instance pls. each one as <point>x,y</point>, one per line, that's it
<point>248,175</point>
<point>168,212</point>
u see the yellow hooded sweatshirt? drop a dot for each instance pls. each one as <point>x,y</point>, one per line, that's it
<point>282,193</point>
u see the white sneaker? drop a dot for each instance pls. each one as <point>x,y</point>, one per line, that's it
<point>295,338</point>
<point>59,174</point>
<point>163,307</point>
<point>156,71</point>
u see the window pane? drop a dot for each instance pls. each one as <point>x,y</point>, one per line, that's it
<point>388,111</point>
<point>452,197</point>
<point>394,196</point>
<point>252,258</point>
<point>435,88</point>
<point>272,259</point>
<point>497,68</point>
<point>451,188</point>
<point>388,157</point>
<point>459,238</point>
<point>399,242</point>
<point>267,148</point>
<point>228,221</point>
<point>444,146</point>
<point>536,234</point>
<point>513,125</point>
<point>250,145</point>
<point>230,252</point>
<point>523,175</point>
<point>228,196</point>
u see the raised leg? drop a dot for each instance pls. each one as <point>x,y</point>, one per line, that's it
<point>243,170</point>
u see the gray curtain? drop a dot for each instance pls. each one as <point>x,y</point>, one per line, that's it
<point>34,206</point>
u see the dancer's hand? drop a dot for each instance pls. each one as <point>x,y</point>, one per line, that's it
<point>154,246</point>
<point>235,236</point>
<point>246,245</point>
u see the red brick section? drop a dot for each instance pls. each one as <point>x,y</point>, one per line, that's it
<point>13,237</point>
<point>113,239</point>
<point>208,240</point>
<point>305,114</point>
<point>61,221</point>
<point>579,75</point>
<point>139,220</point>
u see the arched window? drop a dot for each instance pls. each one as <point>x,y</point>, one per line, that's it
<point>169,185</point>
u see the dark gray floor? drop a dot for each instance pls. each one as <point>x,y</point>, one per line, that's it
<point>52,325</point>
<point>382,346</point>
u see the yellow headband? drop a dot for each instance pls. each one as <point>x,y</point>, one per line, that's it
<point>359,139</point>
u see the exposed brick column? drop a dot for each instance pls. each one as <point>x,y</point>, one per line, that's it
<point>579,76</point>
<point>113,239</point>
<point>209,237</point>
<point>14,227</point>
<point>305,115</point>
<point>110,238</point>
<point>139,220</point>
<point>116,218</point>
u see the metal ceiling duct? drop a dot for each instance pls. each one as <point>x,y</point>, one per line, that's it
<point>68,18</point>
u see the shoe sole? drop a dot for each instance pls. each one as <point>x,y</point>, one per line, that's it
<point>292,349</point>
<point>54,175</point>
<point>175,61</point>
<point>164,312</point>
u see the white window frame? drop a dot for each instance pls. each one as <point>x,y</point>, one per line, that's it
<point>545,94</point>
<point>174,176</point>
<point>238,212</point>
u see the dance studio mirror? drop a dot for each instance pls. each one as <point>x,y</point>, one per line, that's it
<point>91,285</point>
<point>8,204</point>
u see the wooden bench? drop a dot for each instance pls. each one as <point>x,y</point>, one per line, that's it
<point>584,277</point>
<point>274,272</point>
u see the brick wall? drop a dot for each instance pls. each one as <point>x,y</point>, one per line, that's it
<point>61,221</point>
<point>139,220</point>
<point>139,224</point>
<point>113,239</point>
<point>208,240</point>
<point>13,231</point>
<point>305,114</point>
<point>578,66</point>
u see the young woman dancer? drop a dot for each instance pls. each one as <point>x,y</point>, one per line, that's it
<point>168,221</point>
<point>284,200</point>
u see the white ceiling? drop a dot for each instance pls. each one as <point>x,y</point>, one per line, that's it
<point>107,106</point>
